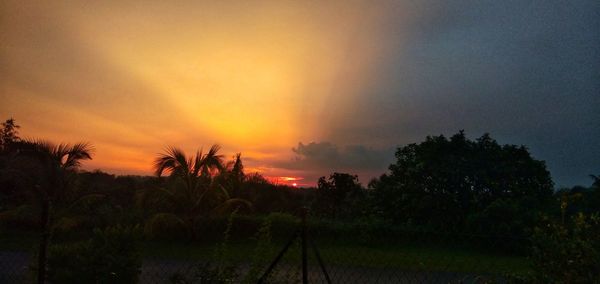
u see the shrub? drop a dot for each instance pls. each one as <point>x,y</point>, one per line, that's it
<point>219,270</point>
<point>568,253</point>
<point>207,273</point>
<point>110,256</point>
<point>166,226</point>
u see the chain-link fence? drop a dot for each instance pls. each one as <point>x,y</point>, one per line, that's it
<point>316,254</point>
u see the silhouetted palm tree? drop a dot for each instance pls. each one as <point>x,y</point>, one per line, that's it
<point>191,170</point>
<point>232,177</point>
<point>192,179</point>
<point>50,170</point>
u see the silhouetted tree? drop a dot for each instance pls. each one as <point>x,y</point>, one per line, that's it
<point>571,201</point>
<point>267,197</point>
<point>50,170</point>
<point>439,182</point>
<point>9,193</point>
<point>232,176</point>
<point>237,168</point>
<point>596,181</point>
<point>332,192</point>
<point>9,133</point>
<point>190,184</point>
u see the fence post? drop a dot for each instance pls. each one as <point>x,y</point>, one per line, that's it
<point>263,278</point>
<point>304,246</point>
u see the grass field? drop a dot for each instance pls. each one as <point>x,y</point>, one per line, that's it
<point>411,257</point>
<point>415,257</point>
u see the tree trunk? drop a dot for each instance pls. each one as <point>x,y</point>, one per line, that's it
<point>45,238</point>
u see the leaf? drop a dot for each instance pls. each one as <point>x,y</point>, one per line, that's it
<point>232,204</point>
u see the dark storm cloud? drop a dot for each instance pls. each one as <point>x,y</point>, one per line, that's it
<point>328,157</point>
<point>528,72</point>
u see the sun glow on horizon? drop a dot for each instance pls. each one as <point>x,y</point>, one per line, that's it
<point>254,78</point>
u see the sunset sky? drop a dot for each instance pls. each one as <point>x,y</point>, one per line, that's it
<point>304,88</point>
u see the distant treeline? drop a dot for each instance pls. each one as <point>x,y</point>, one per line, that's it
<point>450,184</point>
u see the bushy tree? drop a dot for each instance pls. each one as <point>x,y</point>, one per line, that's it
<point>267,197</point>
<point>567,252</point>
<point>578,199</point>
<point>9,133</point>
<point>8,136</point>
<point>440,182</point>
<point>334,193</point>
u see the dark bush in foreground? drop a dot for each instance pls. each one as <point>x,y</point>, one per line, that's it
<point>568,253</point>
<point>110,256</point>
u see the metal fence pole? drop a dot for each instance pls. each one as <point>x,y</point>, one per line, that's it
<point>320,260</point>
<point>263,278</point>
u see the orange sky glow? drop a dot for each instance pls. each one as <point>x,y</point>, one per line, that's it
<point>131,78</point>
<point>302,89</point>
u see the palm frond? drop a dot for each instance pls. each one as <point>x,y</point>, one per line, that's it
<point>64,155</point>
<point>40,150</point>
<point>182,162</point>
<point>212,161</point>
<point>173,161</point>
<point>161,221</point>
<point>197,162</point>
<point>76,153</point>
<point>224,192</point>
<point>232,204</point>
<point>163,163</point>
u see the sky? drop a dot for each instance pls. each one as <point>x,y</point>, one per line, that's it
<point>304,88</point>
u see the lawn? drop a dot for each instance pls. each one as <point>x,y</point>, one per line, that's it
<point>410,257</point>
<point>404,257</point>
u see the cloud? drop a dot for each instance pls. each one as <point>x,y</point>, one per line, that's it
<point>525,71</point>
<point>326,156</point>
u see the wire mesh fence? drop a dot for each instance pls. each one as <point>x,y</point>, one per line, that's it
<point>319,255</point>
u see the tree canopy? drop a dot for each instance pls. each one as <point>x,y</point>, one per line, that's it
<point>441,182</point>
<point>9,132</point>
<point>338,190</point>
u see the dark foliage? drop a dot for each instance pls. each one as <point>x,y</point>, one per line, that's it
<point>9,134</point>
<point>341,195</point>
<point>444,183</point>
<point>440,187</point>
<point>110,256</point>
<point>569,252</point>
